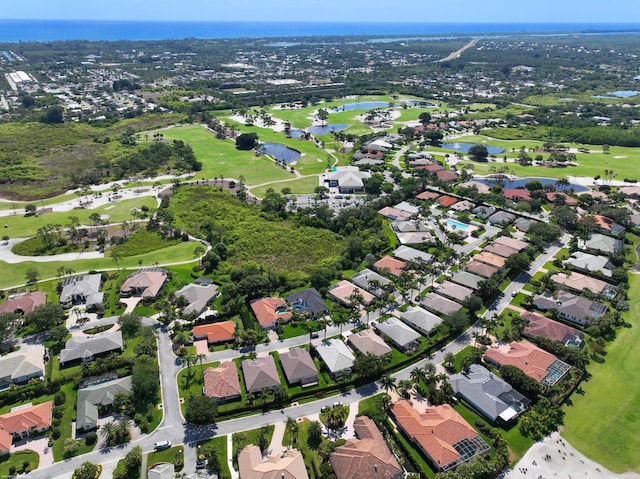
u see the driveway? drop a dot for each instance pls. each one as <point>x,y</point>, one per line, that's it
<point>39,445</point>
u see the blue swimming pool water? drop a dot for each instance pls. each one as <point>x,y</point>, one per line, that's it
<point>457,224</point>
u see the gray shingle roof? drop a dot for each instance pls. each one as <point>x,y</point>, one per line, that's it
<point>260,373</point>
<point>298,364</point>
<point>335,355</point>
<point>398,332</point>
<point>420,319</point>
<point>80,347</point>
<point>309,299</point>
<point>102,394</point>
<point>197,295</point>
<point>488,394</point>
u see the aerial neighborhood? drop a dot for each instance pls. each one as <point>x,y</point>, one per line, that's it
<point>314,278</point>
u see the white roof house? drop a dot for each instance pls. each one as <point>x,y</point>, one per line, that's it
<point>420,319</point>
<point>336,356</point>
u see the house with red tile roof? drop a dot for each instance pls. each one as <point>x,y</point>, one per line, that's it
<point>428,195</point>
<point>368,342</point>
<point>366,457</point>
<point>270,311</point>
<point>20,422</point>
<point>222,383</point>
<point>23,302</point>
<point>446,201</point>
<point>481,269</point>
<point>607,224</point>
<point>533,361</point>
<point>441,434</point>
<point>343,290</point>
<point>538,325</point>
<point>554,197</point>
<point>289,465</point>
<point>490,259</point>
<point>446,175</point>
<point>144,283</point>
<point>516,194</point>
<point>394,266</point>
<point>216,332</point>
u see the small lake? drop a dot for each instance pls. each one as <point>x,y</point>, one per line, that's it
<point>618,94</point>
<point>280,152</point>
<point>326,129</point>
<point>420,103</point>
<point>465,147</point>
<point>363,105</point>
<point>520,182</point>
<point>295,133</point>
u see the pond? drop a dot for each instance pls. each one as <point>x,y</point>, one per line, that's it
<point>618,94</point>
<point>465,147</point>
<point>520,182</point>
<point>295,133</point>
<point>420,103</point>
<point>326,129</point>
<point>363,105</point>
<point>280,152</point>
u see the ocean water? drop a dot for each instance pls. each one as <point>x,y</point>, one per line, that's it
<point>53,30</point>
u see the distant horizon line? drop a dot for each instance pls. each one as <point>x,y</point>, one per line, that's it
<point>500,22</point>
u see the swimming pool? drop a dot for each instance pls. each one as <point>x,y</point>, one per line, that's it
<point>457,224</point>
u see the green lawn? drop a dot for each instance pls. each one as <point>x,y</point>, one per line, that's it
<point>174,455</point>
<point>19,226</point>
<point>17,459</point>
<point>221,159</point>
<point>193,383</point>
<point>298,186</point>
<point>603,422</point>
<point>14,274</point>
<point>219,443</point>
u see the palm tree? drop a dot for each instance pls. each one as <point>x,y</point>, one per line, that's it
<point>115,257</point>
<point>240,440</point>
<point>404,386</point>
<point>108,431</point>
<point>449,359</point>
<point>429,371</point>
<point>292,427</point>
<point>385,402</point>
<point>199,358</point>
<point>387,382</point>
<point>314,429</point>
<point>417,374</point>
<point>123,429</point>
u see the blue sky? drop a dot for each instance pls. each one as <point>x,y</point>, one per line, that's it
<point>517,11</point>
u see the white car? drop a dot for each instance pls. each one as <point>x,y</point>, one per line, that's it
<point>162,445</point>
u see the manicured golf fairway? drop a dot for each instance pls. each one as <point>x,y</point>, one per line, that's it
<point>603,423</point>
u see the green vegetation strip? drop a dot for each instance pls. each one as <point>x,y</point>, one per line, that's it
<point>602,423</point>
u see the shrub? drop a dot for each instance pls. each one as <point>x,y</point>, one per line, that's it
<point>55,433</point>
<point>91,438</point>
<point>58,412</point>
<point>59,398</point>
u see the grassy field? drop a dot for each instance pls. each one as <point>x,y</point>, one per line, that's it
<point>221,159</point>
<point>174,455</point>
<point>19,226</point>
<point>17,460</point>
<point>14,274</point>
<point>192,384</point>
<point>298,186</point>
<point>219,443</point>
<point>603,422</point>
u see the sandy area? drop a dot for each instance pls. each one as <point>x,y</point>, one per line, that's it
<point>554,457</point>
<point>279,126</point>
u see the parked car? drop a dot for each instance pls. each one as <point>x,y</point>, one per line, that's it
<point>162,445</point>
<point>201,463</point>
